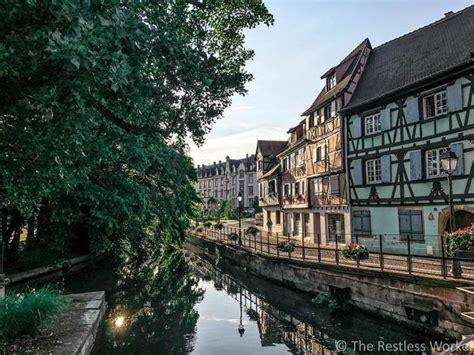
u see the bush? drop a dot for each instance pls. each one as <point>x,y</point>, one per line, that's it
<point>207,224</point>
<point>251,231</point>
<point>25,313</point>
<point>218,226</point>
<point>288,247</point>
<point>355,251</point>
<point>233,236</point>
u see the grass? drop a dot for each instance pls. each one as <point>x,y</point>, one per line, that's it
<point>26,313</point>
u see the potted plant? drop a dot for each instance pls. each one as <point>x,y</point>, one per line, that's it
<point>233,236</point>
<point>218,226</point>
<point>461,242</point>
<point>251,231</point>
<point>355,251</point>
<point>286,246</point>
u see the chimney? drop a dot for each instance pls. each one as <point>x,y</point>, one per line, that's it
<point>247,156</point>
<point>198,166</point>
<point>214,163</point>
<point>220,162</point>
<point>449,14</point>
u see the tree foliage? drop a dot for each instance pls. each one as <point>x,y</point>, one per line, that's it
<point>96,101</point>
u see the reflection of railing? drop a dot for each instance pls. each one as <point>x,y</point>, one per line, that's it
<point>387,252</point>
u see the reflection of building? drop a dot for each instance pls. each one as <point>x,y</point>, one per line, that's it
<point>224,180</point>
<point>415,99</point>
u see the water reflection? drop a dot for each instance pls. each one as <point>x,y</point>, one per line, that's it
<point>150,310</point>
<point>280,319</point>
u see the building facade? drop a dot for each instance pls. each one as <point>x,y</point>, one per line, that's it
<point>414,101</point>
<point>222,181</point>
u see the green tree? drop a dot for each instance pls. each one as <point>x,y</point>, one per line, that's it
<point>96,100</point>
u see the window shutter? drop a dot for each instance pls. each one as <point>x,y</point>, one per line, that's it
<point>454,97</point>
<point>385,119</point>
<point>386,167</point>
<point>416,167</point>
<point>356,127</point>
<point>412,114</point>
<point>458,149</point>
<point>356,172</point>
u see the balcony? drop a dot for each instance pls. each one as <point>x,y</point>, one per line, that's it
<point>299,201</point>
<point>314,133</point>
<point>269,200</point>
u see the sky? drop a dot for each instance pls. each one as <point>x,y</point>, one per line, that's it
<point>307,38</point>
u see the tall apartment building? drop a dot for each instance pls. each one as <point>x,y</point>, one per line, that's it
<point>223,180</point>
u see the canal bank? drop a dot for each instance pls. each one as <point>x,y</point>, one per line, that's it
<point>433,306</point>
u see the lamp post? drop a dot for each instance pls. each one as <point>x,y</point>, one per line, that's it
<point>239,199</point>
<point>219,212</point>
<point>449,162</point>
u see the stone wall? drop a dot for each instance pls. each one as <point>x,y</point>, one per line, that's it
<point>383,294</point>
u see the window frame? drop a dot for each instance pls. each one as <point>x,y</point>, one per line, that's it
<point>331,82</point>
<point>367,175</point>
<point>363,215</point>
<point>372,124</point>
<point>434,96</point>
<point>403,234</point>
<point>335,178</point>
<point>441,173</point>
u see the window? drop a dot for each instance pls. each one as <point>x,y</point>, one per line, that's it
<point>241,186</point>
<point>434,104</point>
<point>334,182</point>
<point>331,81</point>
<point>215,183</point>
<point>287,190</point>
<point>361,224</point>
<point>297,224</point>
<point>271,186</point>
<point>311,120</point>
<point>292,160</point>
<point>297,189</point>
<point>411,224</point>
<point>285,164</point>
<point>372,124</point>
<point>250,202</point>
<point>320,153</point>
<point>327,112</point>
<point>318,186</point>
<point>433,162</point>
<point>241,174</point>
<point>277,217</point>
<point>260,165</point>
<point>250,190</point>
<point>250,179</point>
<point>373,170</point>
<point>300,157</point>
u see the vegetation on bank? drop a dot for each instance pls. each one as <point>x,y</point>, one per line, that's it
<point>25,313</point>
<point>96,101</point>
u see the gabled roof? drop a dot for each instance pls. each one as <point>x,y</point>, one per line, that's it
<point>269,148</point>
<point>417,56</point>
<point>210,170</point>
<point>343,72</point>
<point>271,172</point>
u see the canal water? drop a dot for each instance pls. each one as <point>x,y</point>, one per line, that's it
<point>191,305</point>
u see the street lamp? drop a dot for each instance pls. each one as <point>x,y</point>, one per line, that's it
<point>219,212</point>
<point>239,199</point>
<point>241,328</point>
<point>449,162</point>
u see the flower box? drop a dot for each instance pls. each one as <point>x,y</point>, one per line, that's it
<point>462,239</point>
<point>355,251</point>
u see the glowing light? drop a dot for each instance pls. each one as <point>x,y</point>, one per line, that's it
<point>119,322</point>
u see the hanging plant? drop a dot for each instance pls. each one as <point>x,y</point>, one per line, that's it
<point>462,239</point>
<point>233,236</point>
<point>219,226</point>
<point>287,246</point>
<point>354,251</point>
<point>251,231</point>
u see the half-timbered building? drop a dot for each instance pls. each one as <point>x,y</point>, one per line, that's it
<point>328,215</point>
<point>269,183</point>
<point>414,100</point>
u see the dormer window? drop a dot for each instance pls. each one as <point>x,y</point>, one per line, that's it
<point>331,81</point>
